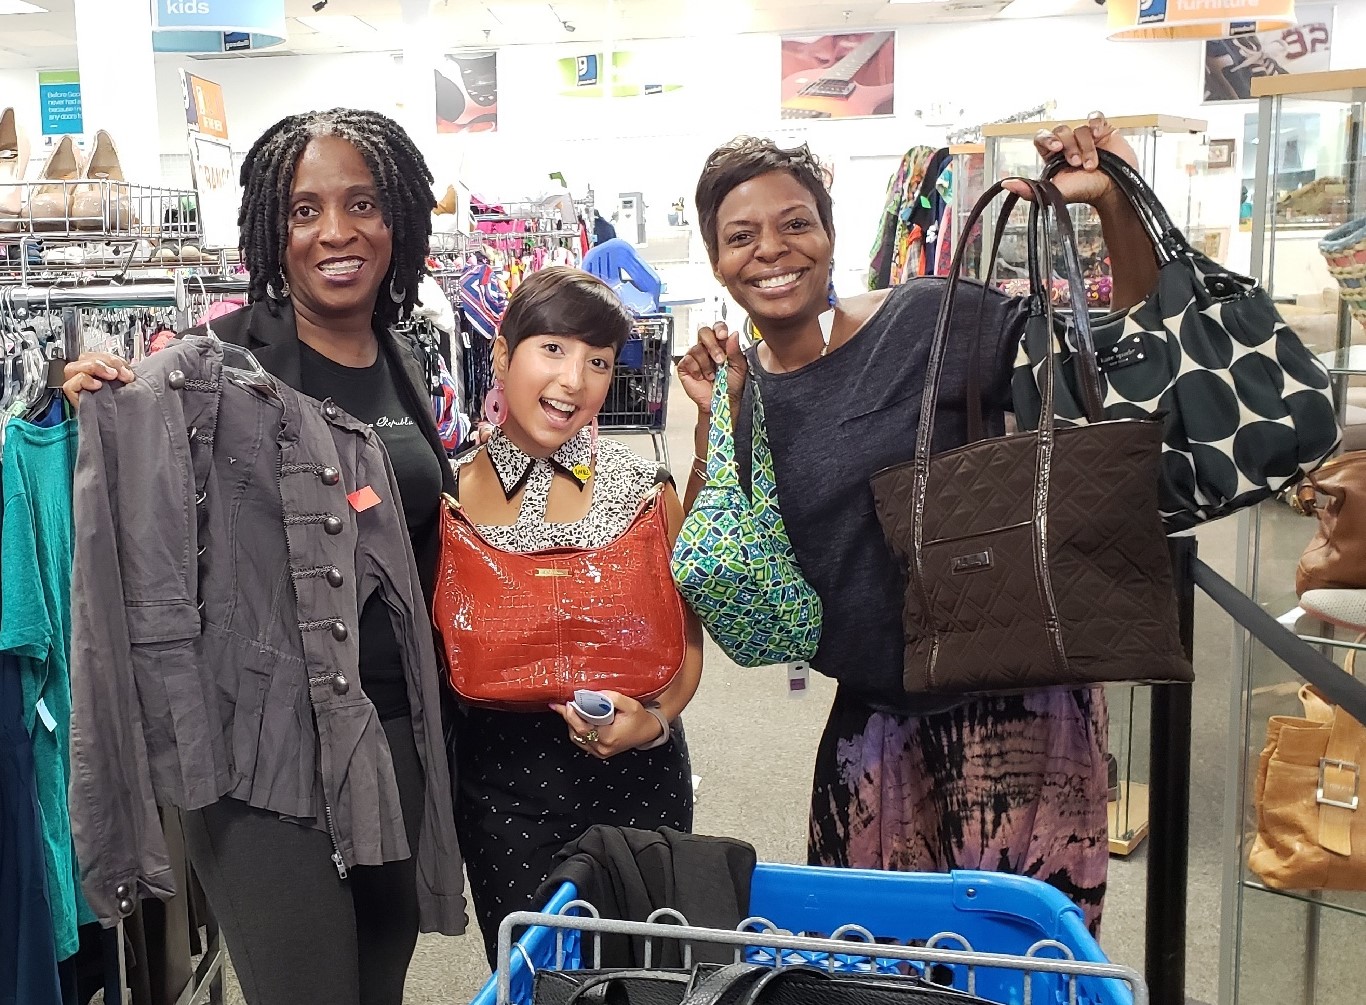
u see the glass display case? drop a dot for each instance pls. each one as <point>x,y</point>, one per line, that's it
<point>1291,947</point>
<point>969,182</point>
<point>1169,157</point>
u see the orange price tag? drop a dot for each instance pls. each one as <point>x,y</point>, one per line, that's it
<point>363,499</point>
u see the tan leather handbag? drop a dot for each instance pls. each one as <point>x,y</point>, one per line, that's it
<point>1336,494</point>
<point>1311,825</point>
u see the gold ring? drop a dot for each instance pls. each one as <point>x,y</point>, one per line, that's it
<point>577,738</point>
<point>591,737</point>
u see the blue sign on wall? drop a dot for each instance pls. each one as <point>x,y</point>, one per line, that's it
<point>59,98</point>
<point>586,71</point>
<point>200,25</point>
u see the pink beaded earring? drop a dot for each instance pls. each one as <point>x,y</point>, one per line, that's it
<point>496,404</point>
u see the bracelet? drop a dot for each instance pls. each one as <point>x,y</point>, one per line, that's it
<point>665,736</point>
<point>699,468</point>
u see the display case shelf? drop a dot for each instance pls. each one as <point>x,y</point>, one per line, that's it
<point>1278,945</point>
<point>1166,146</point>
<point>1316,900</point>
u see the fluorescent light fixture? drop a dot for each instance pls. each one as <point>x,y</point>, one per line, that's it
<point>337,24</point>
<point>1038,8</point>
<point>527,17</point>
<point>897,3</point>
<point>21,7</point>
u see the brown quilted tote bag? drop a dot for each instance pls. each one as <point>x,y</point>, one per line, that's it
<point>1336,494</point>
<point>1036,559</point>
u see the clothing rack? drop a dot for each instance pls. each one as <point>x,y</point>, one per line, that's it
<point>973,134</point>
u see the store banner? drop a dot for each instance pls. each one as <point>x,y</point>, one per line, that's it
<point>215,179</point>
<point>633,75</point>
<point>1232,64</point>
<point>59,99</point>
<point>846,76</point>
<point>203,25</point>
<point>1178,20</point>
<point>204,110</point>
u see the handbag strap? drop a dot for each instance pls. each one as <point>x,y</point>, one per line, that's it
<point>726,985</point>
<point>658,985</point>
<point>1168,241</point>
<point>722,471</point>
<point>722,468</point>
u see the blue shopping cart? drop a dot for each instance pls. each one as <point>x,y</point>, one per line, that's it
<point>1004,938</point>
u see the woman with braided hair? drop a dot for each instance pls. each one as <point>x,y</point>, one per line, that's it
<point>335,221</point>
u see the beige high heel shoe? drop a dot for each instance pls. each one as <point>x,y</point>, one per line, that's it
<point>14,153</point>
<point>49,205</point>
<point>102,207</point>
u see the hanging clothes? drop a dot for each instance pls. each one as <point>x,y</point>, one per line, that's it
<point>909,231</point>
<point>35,628</point>
<point>28,950</point>
<point>893,234</point>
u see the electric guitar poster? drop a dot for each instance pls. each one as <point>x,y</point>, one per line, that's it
<point>839,76</point>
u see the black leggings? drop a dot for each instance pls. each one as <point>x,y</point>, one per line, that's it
<point>295,931</point>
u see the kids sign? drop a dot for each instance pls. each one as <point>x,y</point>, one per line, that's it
<point>1173,20</point>
<point>204,25</point>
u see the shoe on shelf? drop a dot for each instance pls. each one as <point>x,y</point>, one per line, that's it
<point>1344,608</point>
<point>49,206</point>
<point>14,153</point>
<point>70,254</point>
<point>102,207</point>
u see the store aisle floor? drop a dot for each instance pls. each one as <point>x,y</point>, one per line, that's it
<point>753,746</point>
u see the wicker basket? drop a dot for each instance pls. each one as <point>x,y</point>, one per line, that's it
<point>1345,251</point>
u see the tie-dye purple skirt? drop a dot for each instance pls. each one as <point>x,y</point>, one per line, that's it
<point>1013,784</point>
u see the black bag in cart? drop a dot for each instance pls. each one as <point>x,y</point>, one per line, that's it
<point>1247,408</point>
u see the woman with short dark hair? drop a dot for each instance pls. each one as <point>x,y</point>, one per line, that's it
<point>906,782</point>
<point>545,480</point>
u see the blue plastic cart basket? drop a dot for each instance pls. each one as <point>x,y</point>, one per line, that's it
<point>967,911</point>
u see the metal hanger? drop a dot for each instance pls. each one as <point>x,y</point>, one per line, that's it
<point>239,363</point>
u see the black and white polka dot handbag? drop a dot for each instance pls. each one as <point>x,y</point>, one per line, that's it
<point>1247,408</point>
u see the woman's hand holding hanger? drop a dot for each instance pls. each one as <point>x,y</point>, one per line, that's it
<point>90,371</point>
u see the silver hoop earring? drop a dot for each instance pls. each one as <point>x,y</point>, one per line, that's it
<point>283,294</point>
<point>396,294</point>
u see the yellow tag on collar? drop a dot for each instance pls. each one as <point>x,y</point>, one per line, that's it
<point>582,471</point>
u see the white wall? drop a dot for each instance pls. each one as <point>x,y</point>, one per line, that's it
<point>657,145</point>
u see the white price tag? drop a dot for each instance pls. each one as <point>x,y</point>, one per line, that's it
<point>798,679</point>
<point>46,715</point>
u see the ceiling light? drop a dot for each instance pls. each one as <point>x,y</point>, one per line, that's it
<point>899,2</point>
<point>1038,8</point>
<point>338,24</point>
<point>21,7</point>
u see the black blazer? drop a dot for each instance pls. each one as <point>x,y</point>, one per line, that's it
<point>267,329</point>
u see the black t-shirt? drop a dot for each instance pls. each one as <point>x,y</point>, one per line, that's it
<point>369,394</point>
<point>831,426</point>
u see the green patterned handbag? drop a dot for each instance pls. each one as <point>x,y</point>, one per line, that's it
<point>733,561</point>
